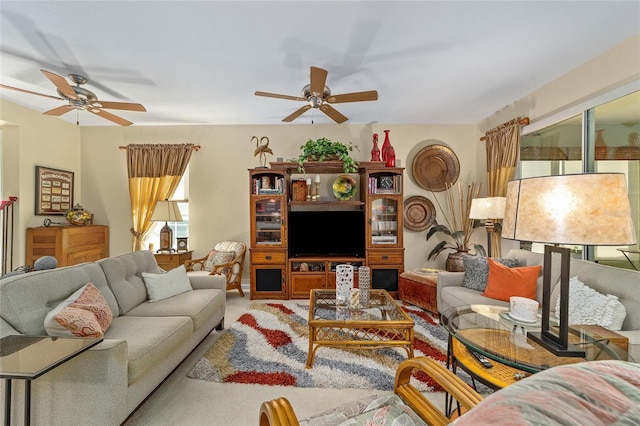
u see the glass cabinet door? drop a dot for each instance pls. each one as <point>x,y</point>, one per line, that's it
<point>384,221</point>
<point>268,217</point>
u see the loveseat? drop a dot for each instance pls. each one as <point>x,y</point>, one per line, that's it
<point>144,343</point>
<point>623,283</point>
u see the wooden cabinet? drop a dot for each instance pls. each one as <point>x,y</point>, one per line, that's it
<point>307,274</point>
<point>267,253</point>
<point>70,244</point>
<point>168,261</point>
<point>278,271</point>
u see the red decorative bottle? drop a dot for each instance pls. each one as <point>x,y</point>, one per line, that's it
<point>375,151</point>
<point>388,153</point>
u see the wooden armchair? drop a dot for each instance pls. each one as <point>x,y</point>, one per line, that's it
<point>232,269</point>
<point>279,412</point>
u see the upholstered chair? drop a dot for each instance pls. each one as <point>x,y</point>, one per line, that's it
<point>226,258</point>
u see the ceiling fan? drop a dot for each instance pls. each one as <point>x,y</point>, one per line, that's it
<point>79,98</point>
<point>317,95</point>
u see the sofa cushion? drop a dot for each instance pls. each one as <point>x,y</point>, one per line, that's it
<point>219,258</point>
<point>149,340</point>
<point>587,306</point>
<point>476,270</point>
<point>504,282</point>
<point>124,274</point>
<point>161,286</point>
<point>199,305</point>
<point>26,299</point>
<point>66,320</point>
<point>73,322</point>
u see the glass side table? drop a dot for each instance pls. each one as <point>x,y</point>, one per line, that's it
<point>29,357</point>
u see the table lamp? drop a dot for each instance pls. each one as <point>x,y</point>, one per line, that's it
<point>583,209</point>
<point>166,211</point>
<point>488,209</point>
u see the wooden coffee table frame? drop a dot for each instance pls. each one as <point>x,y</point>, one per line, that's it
<point>395,329</point>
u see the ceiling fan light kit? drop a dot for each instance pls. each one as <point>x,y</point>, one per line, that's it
<point>81,99</point>
<point>317,95</point>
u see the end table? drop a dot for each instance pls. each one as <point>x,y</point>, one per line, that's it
<point>29,357</point>
<point>169,260</point>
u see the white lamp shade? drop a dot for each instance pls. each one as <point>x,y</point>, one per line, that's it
<point>583,209</point>
<point>167,211</point>
<point>487,208</point>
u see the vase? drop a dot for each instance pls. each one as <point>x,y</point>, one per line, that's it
<point>375,151</point>
<point>388,153</point>
<point>601,146</point>
<point>344,284</point>
<point>454,261</point>
<point>364,284</point>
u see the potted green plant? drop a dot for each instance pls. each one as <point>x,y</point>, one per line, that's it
<point>323,150</point>
<point>458,227</point>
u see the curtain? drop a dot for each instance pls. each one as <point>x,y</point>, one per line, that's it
<point>503,145</point>
<point>154,172</point>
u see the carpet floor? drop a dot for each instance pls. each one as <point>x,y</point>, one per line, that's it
<point>268,345</point>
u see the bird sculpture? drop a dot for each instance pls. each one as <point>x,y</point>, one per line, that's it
<point>262,150</point>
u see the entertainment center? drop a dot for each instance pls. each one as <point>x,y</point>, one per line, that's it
<point>296,242</point>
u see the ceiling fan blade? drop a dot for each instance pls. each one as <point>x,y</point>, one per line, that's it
<point>333,113</point>
<point>371,95</point>
<point>111,117</point>
<point>275,95</point>
<point>4,86</point>
<point>59,110</point>
<point>297,113</point>
<point>61,83</point>
<point>128,106</point>
<point>318,80</point>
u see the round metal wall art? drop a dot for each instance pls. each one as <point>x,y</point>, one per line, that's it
<point>419,213</point>
<point>435,167</point>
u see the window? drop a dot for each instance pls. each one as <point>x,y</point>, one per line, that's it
<point>180,229</point>
<point>602,138</point>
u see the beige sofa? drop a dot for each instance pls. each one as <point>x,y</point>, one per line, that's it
<point>623,283</point>
<point>144,344</point>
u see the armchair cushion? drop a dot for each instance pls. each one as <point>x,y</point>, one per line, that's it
<point>217,258</point>
<point>379,410</point>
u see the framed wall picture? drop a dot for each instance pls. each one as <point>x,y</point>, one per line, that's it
<point>54,191</point>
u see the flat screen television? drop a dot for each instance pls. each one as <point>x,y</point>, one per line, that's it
<point>326,233</point>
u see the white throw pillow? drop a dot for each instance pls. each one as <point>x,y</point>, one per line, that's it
<point>587,306</point>
<point>162,286</point>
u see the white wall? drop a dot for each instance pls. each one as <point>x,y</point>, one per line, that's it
<point>31,139</point>
<point>219,180</point>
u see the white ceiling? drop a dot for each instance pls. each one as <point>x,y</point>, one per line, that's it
<point>200,62</point>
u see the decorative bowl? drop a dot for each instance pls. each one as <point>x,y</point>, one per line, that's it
<point>78,216</point>
<point>345,187</point>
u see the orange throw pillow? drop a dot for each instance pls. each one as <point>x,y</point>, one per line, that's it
<point>504,282</point>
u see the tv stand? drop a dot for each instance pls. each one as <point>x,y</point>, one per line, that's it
<point>275,192</point>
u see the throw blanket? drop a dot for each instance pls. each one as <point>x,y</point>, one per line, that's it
<point>595,393</point>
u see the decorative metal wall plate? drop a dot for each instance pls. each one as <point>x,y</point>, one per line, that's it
<point>435,167</point>
<point>419,213</point>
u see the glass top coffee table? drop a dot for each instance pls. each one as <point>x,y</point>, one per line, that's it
<point>488,331</point>
<point>382,323</point>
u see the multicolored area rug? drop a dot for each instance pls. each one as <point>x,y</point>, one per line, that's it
<point>268,345</point>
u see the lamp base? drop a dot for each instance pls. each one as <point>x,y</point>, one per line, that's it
<point>554,347</point>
